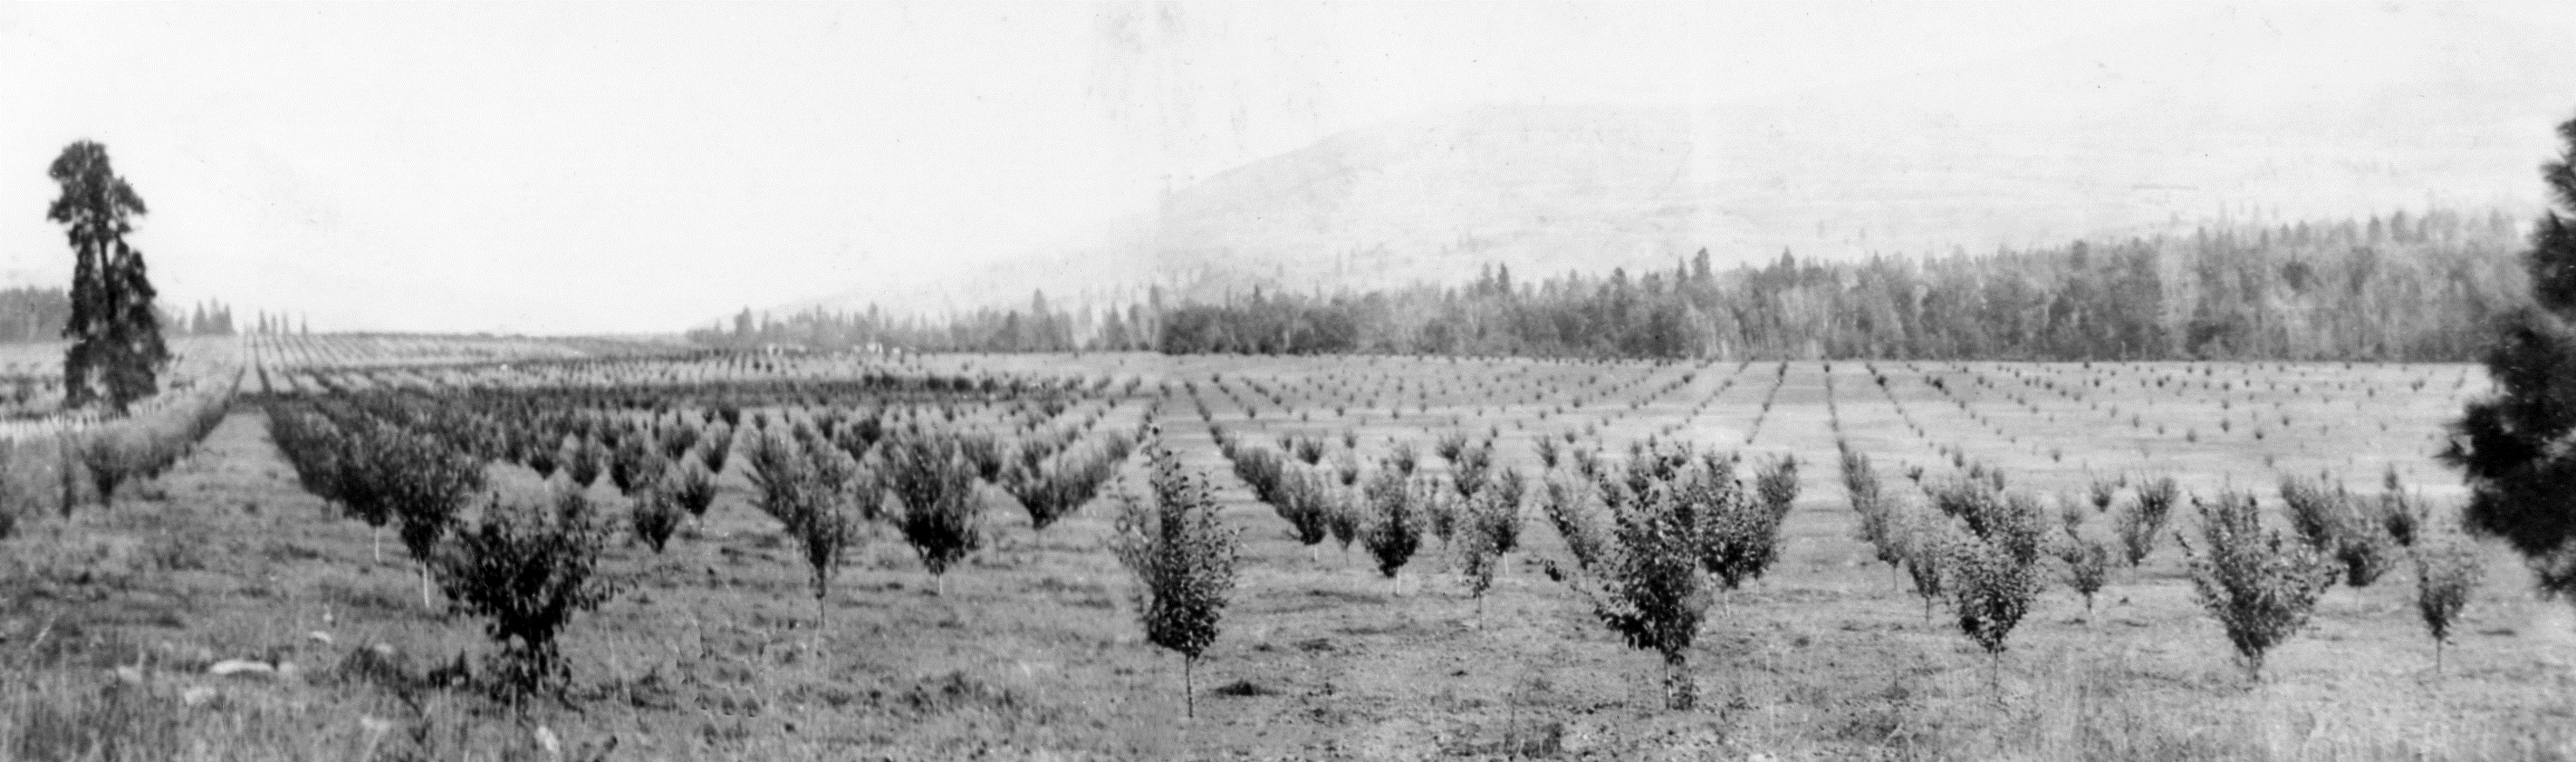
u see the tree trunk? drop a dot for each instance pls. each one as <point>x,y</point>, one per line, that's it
<point>1189,698</point>
<point>1679,692</point>
<point>376,541</point>
<point>425,602</point>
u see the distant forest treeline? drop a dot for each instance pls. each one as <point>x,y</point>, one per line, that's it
<point>2395,288</point>
<point>30,313</point>
<point>1040,327</point>
<point>2401,287</point>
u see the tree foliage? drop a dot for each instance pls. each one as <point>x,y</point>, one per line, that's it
<point>2512,443</point>
<point>1183,558</point>
<point>116,353</point>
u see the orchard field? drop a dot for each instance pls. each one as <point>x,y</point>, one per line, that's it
<point>1028,646</point>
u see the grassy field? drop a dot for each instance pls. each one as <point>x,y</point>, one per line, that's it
<point>114,617</point>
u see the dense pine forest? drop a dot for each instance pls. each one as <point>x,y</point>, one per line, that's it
<point>2399,287</point>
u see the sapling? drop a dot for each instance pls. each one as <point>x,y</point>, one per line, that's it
<point>811,489</point>
<point>2447,572</point>
<point>1924,540</point>
<point>1640,574</point>
<point>2088,565</point>
<point>1480,549</point>
<point>1739,531</point>
<point>2333,522</point>
<point>2144,520</point>
<point>691,487</point>
<point>1392,531</point>
<point>1183,559</point>
<point>1306,503</point>
<point>527,570</point>
<point>110,459</point>
<point>582,461</point>
<point>656,515</point>
<point>1993,570</point>
<point>935,506</point>
<point>2260,585</point>
<point>424,484</point>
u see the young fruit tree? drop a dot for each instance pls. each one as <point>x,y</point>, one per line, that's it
<point>809,489</point>
<point>1641,575</point>
<point>1740,530</point>
<point>2446,574</point>
<point>527,570</point>
<point>2145,518</point>
<point>2510,443</point>
<point>2088,564</point>
<point>656,515</point>
<point>2260,585</point>
<point>1183,558</point>
<point>1394,525</point>
<point>2336,523</point>
<point>1993,569</point>
<point>935,507</point>
<point>1305,501</point>
<point>425,483</point>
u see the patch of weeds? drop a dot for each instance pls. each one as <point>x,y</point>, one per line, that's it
<point>172,550</point>
<point>120,722</point>
<point>956,691</point>
<point>1245,689</point>
<point>282,551</point>
<point>367,599</point>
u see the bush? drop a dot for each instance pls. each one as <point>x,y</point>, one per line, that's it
<point>2260,586</point>
<point>1183,558</point>
<point>2446,574</point>
<point>527,570</point>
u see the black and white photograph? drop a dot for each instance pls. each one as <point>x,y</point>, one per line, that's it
<point>1265,380</point>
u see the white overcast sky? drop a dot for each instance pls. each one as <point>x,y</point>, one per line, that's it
<point>607,167</point>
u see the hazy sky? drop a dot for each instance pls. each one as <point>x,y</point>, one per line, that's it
<point>602,167</point>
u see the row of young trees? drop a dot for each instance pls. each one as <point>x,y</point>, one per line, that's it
<point>415,461</point>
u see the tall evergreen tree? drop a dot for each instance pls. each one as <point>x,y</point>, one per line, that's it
<point>116,350</point>
<point>2513,444</point>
